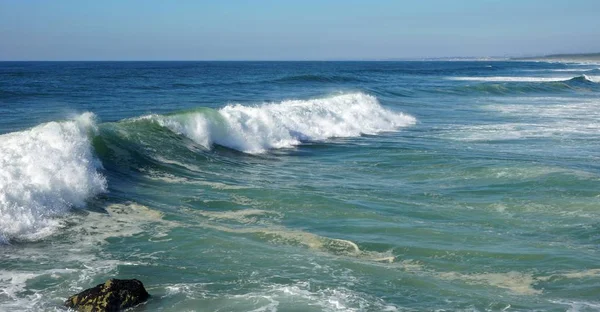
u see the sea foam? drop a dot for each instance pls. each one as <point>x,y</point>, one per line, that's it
<point>255,129</point>
<point>44,172</point>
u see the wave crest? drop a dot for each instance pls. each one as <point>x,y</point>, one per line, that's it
<point>255,129</point>
<point>584,79</point>
<point>44,172</point>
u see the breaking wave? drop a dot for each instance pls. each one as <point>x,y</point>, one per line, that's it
<point>44,172</point>
<point>54,167</point>
<point>255,129</point>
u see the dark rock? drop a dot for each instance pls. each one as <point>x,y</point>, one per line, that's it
<point>114,295</point>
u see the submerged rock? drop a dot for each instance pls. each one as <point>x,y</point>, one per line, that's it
<point>114,295</point>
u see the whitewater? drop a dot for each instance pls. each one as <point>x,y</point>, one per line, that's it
<point>46,171</point>
<point>302,186</point>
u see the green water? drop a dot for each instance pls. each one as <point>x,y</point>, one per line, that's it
<point>456,196</point>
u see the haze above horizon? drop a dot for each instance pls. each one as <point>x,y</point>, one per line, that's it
<point>299,30</point>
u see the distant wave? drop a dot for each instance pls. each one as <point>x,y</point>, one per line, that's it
<point>593,71</point>
<point>44,172</point>
<point>576,70</point>
<point>464,68</point>
<point>527,79</point>
<point>524,85</point>
<point>255,129</point>
<point>561,70</point>
<point>585,79</point>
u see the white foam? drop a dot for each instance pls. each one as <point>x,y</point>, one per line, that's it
<point>595,79</point>
<point>190,291</point>
<point>568,70</point>
<point>254,129</point>
<point>44,172</point>
<point>548,117</point>
<point>82,257</point>
<point>577,306</point>
<point>245,216</point>
<point>302,295</point>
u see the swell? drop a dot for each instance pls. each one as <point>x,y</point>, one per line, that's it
<point>292,79</point>
<point>317,78</point>
<point>435,69</point>
<point>595,71</point>
<point>19,94</point>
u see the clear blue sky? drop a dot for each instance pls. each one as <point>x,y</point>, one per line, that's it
<point>296,30</point>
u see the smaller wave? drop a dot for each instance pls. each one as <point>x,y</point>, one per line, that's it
<point>514,79</point>
<point>523,85</point>
<point>593,71</point>
<point>255,129</point>
<point>565,70</point>
<point>561,70</point>
<point>44,172</point>
<point>580,78</point>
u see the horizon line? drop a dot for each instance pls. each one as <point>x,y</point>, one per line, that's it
<point>464,58</point>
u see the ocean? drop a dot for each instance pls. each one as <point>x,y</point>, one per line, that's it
<point>302,186</point>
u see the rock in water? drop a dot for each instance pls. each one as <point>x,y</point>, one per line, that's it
<point>114,295</point>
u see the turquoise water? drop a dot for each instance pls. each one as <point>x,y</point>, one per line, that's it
<point>302,186</point>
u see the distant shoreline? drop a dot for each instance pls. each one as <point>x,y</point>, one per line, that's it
<point>587,57</point>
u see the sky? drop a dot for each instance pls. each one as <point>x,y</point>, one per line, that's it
<point>294,30</point>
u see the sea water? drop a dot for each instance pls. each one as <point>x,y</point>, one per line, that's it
<point>302,186</point>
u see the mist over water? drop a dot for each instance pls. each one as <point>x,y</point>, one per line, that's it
<point>312,186</point>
